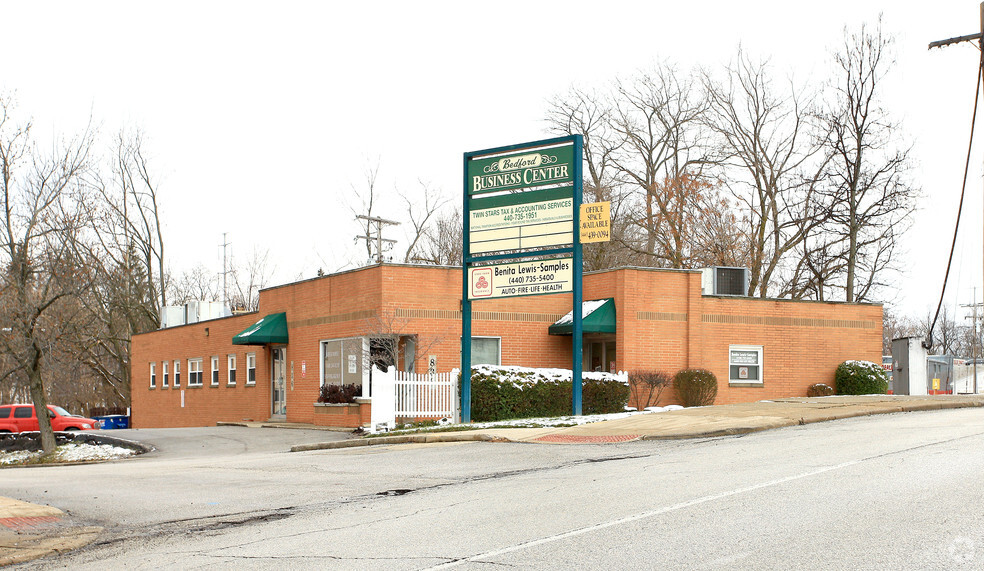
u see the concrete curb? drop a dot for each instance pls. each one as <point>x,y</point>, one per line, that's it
<point>730,431</point>
<point>81,437</point>
<point>287,425</point>
<point>403,439</point>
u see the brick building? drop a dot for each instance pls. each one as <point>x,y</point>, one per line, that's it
<point>272,363</point>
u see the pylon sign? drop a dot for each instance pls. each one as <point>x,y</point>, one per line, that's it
<point>553,275</point>
<point>521,202</point>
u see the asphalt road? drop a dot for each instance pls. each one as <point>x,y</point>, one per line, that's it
<point>899,491</point>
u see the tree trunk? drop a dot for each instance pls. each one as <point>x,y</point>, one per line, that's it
<point>40,403</point>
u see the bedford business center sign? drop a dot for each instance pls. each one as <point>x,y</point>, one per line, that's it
<point>521,170</point>
<point>522,205</point>
<point>520,202</point>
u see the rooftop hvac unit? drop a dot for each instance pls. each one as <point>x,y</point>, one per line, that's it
<point>191,312</point>
<point>719,280</point>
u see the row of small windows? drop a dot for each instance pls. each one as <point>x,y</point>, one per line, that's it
<point>196,374</point>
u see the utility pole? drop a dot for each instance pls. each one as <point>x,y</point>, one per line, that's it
<point>979,39</point>
<point>378,237</point>
<point>225,271</point>
<point>973,339</point>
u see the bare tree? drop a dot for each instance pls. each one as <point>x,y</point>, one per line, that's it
<point>773,157</point>
<point>421,213</point>
<point>248,278</point>
<point>947,333</point>
<point>818,266</point>
<point>442,242</point>
<point>871,196</point>
<point>196,284</point>
<point>716,236</point>
<point>126,254</point>
<point>895,326</point>
<point>660,119</point>
<point>586,113</point>
<point>43,220</point>
<point>644,151</point>
<point>590,114</point>
<point>392,338</point>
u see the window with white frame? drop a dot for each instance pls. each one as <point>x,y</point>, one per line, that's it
<point>486,351</point>
<point>232,370</point>
<point>250,368</point>
<point>745,364</point>
<point>215,371</point>
<point>153,375</point>
<point>194,372</point>
<point>177,373</point>
<point>164,372</point>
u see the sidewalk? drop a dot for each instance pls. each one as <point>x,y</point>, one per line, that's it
<point>701,422</point>
<point>29,531</point>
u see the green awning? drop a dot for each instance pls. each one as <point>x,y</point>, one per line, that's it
<point>270,329</point>
<point>597,316</point>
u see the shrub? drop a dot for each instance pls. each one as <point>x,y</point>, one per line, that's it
<point>603,397</point>
<point>695,387</point>
<point>339,394</point>
<point>646,385</point>
<point>860,378</point>
<point>819,390</point>
<point>505,393</point>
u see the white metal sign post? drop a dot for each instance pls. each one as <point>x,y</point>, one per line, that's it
<point>522,202</point>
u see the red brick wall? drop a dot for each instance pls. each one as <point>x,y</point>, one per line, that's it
<point>674,327</point>
<point>204,405</point>
<point>663,323</point>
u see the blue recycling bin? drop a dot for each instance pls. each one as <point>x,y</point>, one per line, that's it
<point>113,421</point>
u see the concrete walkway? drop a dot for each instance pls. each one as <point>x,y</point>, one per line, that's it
<point>29,531</point>
<point>700,422</point>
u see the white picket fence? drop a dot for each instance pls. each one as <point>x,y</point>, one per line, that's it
<point>400,395</point>
<point>427,395</point>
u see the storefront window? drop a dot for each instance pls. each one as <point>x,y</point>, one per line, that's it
<point>486,351</point>
<point>343,361</point>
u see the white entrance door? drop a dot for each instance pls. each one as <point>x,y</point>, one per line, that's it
<point>279,377</point>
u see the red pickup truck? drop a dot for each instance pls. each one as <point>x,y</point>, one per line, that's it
<point>21,418</point>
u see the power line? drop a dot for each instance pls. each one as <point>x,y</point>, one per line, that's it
<point>928,343</point>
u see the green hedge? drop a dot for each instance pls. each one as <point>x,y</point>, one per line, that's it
<point>861,378</point>
<point>506,394</point>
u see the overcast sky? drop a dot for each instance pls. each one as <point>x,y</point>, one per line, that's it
<point>261,117</point>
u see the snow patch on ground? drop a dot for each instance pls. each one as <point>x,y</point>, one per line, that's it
<point>552,421</point>
<point>71,452</point>
<point>666,408</point>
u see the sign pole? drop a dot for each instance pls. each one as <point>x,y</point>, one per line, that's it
<point>466,324</point>
<point>577,379</point>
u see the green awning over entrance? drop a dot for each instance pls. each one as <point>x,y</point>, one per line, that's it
<point>597,316</point>
<point>270,329</point>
